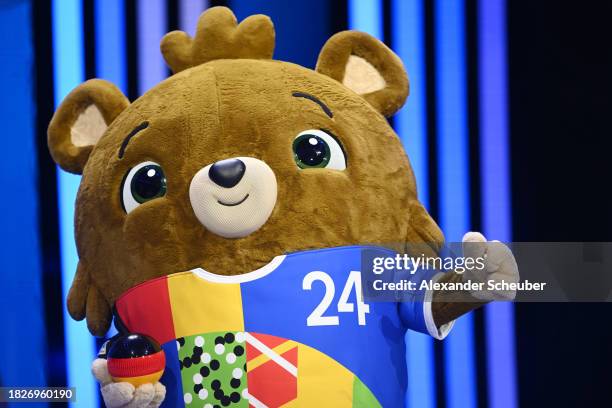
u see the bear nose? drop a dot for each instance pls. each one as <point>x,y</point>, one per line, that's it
<point>227,173</point>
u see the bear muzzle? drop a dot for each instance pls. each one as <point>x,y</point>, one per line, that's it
<point>234,197</point>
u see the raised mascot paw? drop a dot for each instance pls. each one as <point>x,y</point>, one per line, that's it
<point>123,394</point>
<point>499,267</point>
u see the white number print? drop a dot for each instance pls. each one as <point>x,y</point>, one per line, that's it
<point>316,318</point>
<point>353,281</point>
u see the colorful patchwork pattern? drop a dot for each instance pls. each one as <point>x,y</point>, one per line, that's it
<point>241,369</point>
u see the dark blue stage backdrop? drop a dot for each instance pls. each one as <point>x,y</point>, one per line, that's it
<point>56,46</point>
<point>455,128</point>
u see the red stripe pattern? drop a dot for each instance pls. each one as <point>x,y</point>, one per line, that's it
<point>136,367</point>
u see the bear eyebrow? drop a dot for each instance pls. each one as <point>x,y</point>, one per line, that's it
<point>316,100</point>
<point>130,135</point>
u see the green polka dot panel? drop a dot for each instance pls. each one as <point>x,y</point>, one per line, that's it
<point>213,369</point>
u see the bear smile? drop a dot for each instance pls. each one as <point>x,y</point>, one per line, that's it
<point>233,204</point>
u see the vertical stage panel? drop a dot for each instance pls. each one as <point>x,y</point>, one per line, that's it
<point>408,39</point>
<point>69,72</point>
<point>22,343</point>
<point>493,97</point>
<point>495,176</point>
<point>110,42</point>
<point>451,101</point>
<point>151,28</point>
<point>367,16</point>
<point>453,188</point>
<point>189,11</point>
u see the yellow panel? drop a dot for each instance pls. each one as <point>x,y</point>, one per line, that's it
<point>140,380</point>
<point>322,381</point>
<point>200,306</point>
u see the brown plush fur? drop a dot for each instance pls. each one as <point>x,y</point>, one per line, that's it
<point>230,106</point>
<point>219,36</point>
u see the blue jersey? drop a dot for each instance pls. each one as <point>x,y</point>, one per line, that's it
<point>296,332</point>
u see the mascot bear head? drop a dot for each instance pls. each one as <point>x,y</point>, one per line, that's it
<point>234,159</point>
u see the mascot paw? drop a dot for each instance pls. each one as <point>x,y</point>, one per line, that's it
<point>125,395</point>
<point>500,267</point>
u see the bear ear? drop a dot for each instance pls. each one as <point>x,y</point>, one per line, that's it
<point>366,66</point>
<point>81,120</point>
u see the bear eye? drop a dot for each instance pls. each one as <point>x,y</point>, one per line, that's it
<point>316,148</point>
<point>144,182</point>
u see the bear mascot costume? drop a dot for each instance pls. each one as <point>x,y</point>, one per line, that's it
<point>223,215</point>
